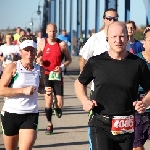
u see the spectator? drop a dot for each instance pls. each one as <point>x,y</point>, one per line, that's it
<point>135,45</point>
<point>17,35</point>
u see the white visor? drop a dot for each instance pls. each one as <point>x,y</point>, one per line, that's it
<point>27,43</point>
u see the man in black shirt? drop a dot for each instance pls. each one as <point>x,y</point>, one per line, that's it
<point>117,75</point>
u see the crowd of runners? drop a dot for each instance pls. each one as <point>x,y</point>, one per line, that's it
<point>117,64</point>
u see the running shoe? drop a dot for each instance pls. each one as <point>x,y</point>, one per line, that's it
<point>49,130</point>
<point>58,112</point>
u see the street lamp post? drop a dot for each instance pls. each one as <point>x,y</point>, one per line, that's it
<point>31,24</point>
<point>28,22</point>
<point>39,12</point>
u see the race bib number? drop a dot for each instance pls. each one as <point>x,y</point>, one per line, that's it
<point>54,76</point>
<point>122,124</point>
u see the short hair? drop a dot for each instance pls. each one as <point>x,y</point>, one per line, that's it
<point>132,22</point>
<point>52,24</point>
<point>30,37</point>
<point>148,26</point>
<point>28,30</point>
<point>145,32</point>
<point>22,30</point>
<point>110,9</point>
<point>10,35</point>
<point>63,30</point>
<point>122,24</point>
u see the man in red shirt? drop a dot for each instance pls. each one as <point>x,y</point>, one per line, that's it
<point>51,52</point>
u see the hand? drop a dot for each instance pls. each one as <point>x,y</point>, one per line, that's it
<point>57,69</point>
<point>48,90</point>
<point>139,106</point>
<point>41,90</point>
<point>29,90</point>
<point>88,104</point>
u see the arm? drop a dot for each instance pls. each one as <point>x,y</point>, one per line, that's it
<point>82,63</point>
<point>144,80</point>
<point>41,84</point>
<point>1,54</point>
<point>80,91</point>
<point>84,78</point>
<point>40,48</point>
<point>146,99</point>
<point>86,52</point>
<point>66,53</point>
<point>6,91</point>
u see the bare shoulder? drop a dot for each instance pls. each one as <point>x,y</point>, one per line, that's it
<point>42,41</point>
<point>10,67</point>
<point>62,43</point>
<point>41,44</point>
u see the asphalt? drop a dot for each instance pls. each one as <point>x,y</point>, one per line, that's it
<point>70,131</point>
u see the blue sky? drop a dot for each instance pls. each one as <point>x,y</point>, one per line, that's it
<point>15,13</point>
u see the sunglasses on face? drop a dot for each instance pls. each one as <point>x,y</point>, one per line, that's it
<point>111,18</point>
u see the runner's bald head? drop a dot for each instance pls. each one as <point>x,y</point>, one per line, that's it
<point>117,24</point>
<point>51,24</point>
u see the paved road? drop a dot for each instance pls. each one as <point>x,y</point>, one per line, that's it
<point>70,131</point>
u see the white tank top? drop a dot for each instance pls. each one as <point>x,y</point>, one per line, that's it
<point>24,103</point>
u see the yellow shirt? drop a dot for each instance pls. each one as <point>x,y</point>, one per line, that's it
<point>16,36</point>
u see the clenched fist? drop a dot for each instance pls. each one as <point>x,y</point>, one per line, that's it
<point>29,90</point>
<point>88,104</point>
<point>139,106</point>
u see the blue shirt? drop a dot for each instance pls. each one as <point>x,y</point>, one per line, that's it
<point>148,64</point>
<point>136,47</point>
<point>65,38</point>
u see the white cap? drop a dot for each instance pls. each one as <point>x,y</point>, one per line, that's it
<point>27,43</point>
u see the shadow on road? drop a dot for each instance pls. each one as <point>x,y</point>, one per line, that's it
<point>61,144</point>
<point>65,128</point>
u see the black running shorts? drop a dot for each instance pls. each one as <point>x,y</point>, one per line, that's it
<point>56,85</point>
<point>12,122</point>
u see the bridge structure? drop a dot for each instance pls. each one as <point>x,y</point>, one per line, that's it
<point>67,13</point>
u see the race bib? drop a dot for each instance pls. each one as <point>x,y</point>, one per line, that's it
<point>54,76</point>
<point>122,124</point>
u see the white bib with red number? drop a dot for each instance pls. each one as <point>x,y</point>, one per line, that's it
<point>122,124</point>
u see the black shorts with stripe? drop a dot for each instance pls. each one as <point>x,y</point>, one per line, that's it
<point>12,122</point>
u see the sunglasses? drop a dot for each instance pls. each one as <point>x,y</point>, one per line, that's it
<point>111,18</point>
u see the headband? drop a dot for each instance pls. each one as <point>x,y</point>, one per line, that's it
<point>27,43</point>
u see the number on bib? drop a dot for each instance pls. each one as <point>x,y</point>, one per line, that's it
<point>54,76</point>
<point>122,124</point>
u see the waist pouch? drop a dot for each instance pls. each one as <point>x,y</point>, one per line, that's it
<point>107,120</point>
